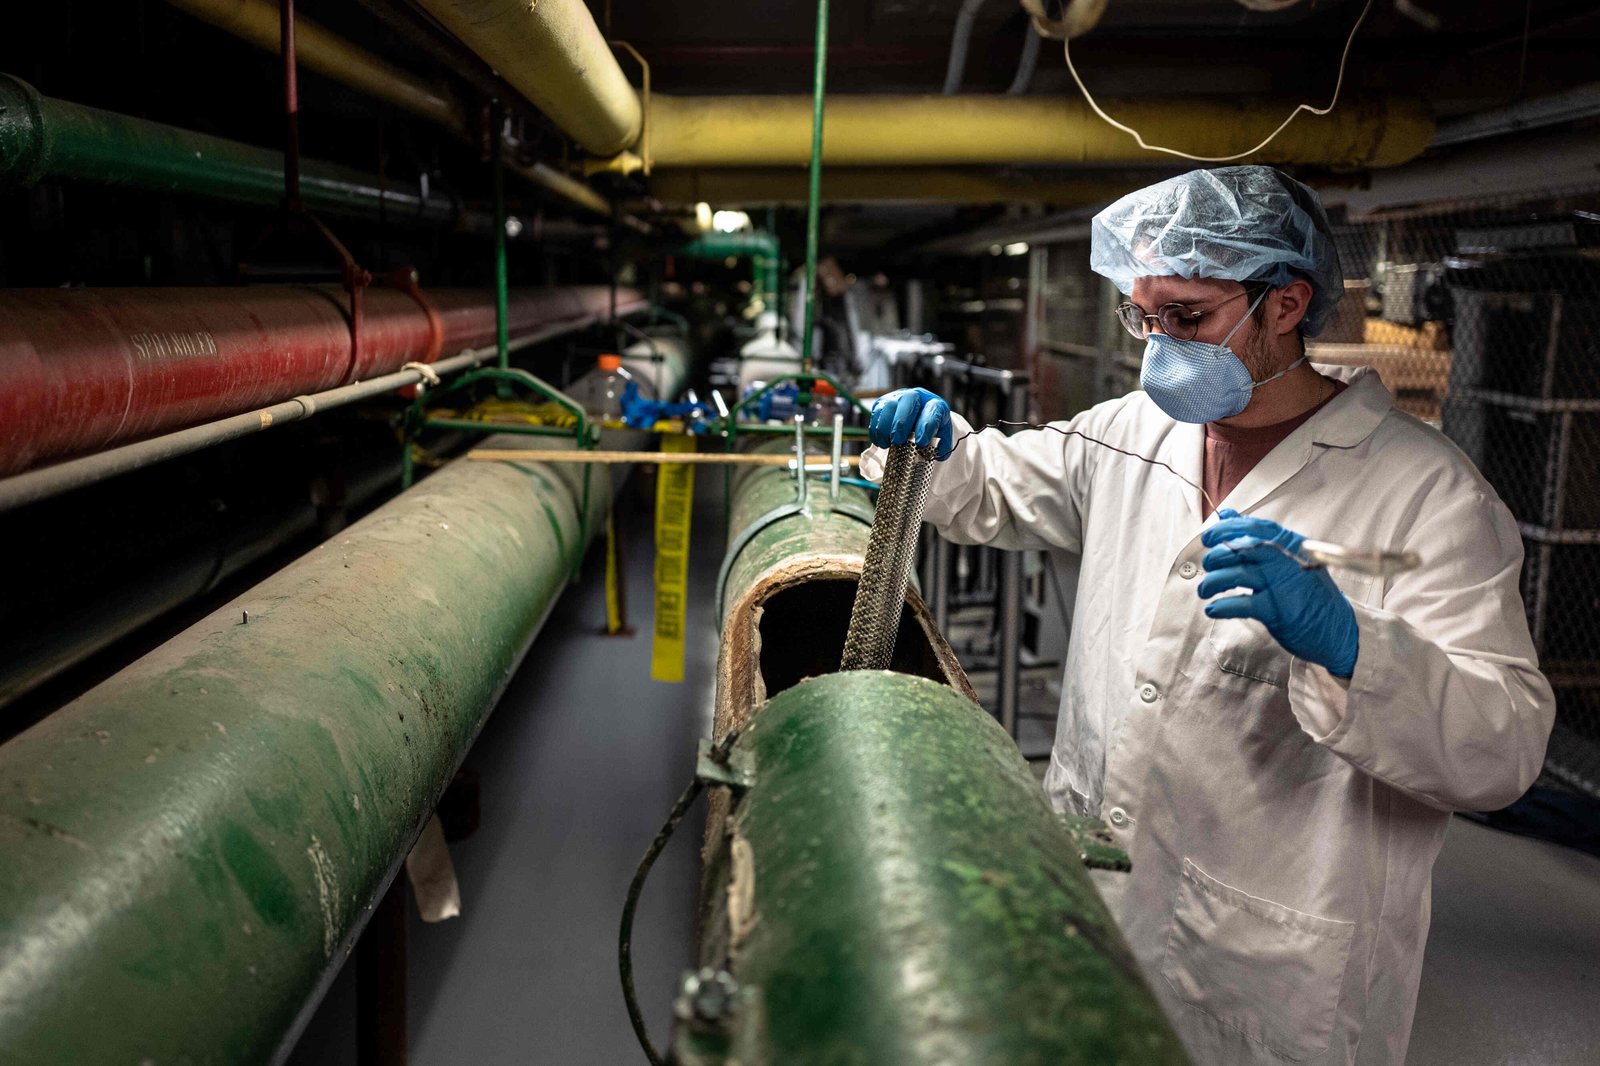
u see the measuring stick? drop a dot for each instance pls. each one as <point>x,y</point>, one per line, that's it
<point>515,455</point>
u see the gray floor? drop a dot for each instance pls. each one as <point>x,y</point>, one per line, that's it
<point>585,756</point>
<point>1512,973</point>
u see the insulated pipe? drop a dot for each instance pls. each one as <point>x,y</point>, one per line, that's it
<point>553,53</point>
<point>890,885</point>
<point>44,139</point>
<point>192,847</point>
<point>751,186</point>
<point>976,130</point>
<point>82,369</point>
<point>256,21</point>
<point>786,587</point>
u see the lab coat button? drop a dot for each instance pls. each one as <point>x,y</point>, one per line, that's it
<point>1118,816</point>
<point>1188,570</point>
<point>1149,693</point>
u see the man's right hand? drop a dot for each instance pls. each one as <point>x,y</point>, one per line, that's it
<point>914,416</point>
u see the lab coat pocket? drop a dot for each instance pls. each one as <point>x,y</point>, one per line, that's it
<point>1266,970</point>
<point>1244,647</point>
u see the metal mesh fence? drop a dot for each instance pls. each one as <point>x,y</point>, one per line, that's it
<point>1485,320</point>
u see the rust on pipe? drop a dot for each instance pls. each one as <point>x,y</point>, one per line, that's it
<point>85,369</point>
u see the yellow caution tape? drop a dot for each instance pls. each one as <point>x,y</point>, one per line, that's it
<point>614,619</point>
<point>674,501</point>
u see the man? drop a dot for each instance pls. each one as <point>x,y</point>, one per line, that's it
<point>1277,748</point>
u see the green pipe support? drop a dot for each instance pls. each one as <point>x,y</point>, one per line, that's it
<point>814,186</point>
<point>44,139</point>
<point>192,847</point>
<point>890,886</point>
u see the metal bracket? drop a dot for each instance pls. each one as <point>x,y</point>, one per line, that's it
<point>1095,845</point>
<point>733,770</point>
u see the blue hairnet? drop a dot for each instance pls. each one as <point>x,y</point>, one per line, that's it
<point>1237,223</point>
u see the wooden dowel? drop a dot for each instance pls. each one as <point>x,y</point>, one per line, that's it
<point>517,455</point>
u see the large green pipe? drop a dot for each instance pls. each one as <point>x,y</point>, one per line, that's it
<point>44,139</point>
<point>891,886</point>
<point>192,846</point>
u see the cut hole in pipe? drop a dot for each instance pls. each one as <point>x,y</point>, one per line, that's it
<point>803,630</point>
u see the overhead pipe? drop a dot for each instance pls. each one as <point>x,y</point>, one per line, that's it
<point>330,55</point>
<point>192,846</point>
<point>1573,105</point>
<point>84,369</point>
<point>45,139</point>
<point>754,186</point>
<point>873,130</point>
<point>256,21</point>
<point>553,53</point>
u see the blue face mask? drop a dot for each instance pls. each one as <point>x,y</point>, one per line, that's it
<point>1193,381</point>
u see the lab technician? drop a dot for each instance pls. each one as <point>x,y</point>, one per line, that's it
<point>1278,748</point>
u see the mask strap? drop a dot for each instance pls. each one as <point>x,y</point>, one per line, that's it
<point>1248,312</point>
<point>1257,384</point>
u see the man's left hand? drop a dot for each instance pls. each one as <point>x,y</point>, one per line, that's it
<point>1302,609</point>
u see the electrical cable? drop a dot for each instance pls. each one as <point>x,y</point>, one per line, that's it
<point>625,935</point>
<point>1028,63</point>
<point>1066,49</point>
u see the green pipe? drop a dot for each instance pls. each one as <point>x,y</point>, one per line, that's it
<point>889,885</point>
<point>814,196</point>
<point>192,846</point>
<point>44,139</point>
<point>760,245</point>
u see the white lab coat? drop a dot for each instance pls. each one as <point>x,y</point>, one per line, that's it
<point>1282,823</point>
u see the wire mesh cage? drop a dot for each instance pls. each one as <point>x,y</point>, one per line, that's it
<point>1484,319</point>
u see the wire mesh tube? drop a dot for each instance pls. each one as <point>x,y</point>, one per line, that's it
<point>881,593</point>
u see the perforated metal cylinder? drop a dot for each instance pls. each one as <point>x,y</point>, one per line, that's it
<point>891,549</point>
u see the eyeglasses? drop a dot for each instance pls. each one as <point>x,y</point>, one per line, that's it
<point>1178,321</point>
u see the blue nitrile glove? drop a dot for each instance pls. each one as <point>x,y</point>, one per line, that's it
<point>914,415</point>
<point>1302,609</point>
<point>641,412</point>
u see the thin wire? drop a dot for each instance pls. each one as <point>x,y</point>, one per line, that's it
<point>1092,440</point>
<point>1066,49</point>
<point>1234,546</point>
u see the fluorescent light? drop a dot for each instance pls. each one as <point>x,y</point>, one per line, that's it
<point>730,221</point>
<point>702,215</point>
<point>1020,248</point>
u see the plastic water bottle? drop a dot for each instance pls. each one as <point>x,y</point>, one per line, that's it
<point>614,379</point>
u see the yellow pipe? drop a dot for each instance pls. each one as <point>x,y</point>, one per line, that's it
<point>256,21</point>
<point>552,52</point>
<point>564,186</point>
<point>723,131</point>
<point>760,186</point>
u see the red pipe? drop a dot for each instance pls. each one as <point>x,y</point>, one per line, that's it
<point>83,369</point>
